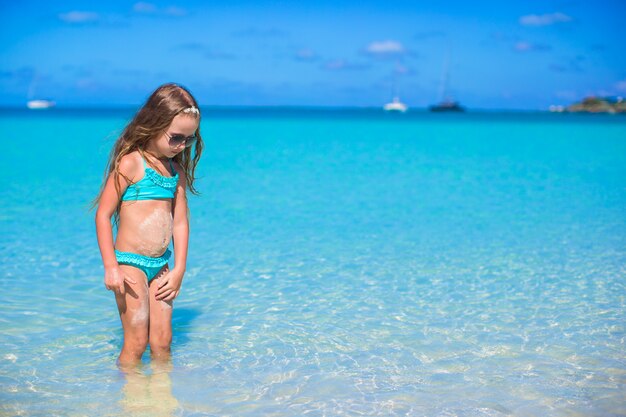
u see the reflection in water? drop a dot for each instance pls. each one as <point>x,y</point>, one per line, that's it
<point>148,394</point>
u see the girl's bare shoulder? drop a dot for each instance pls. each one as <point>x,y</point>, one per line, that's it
<point>130,165</point>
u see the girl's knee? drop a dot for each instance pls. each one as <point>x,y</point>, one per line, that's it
<point>161,341</point>
<point>138,342</point>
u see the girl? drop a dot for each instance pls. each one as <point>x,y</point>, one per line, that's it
<point>149,170</point>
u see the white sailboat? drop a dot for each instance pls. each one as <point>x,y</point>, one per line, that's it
<point>37,104</point>
<point>395,105</point>
<point>40,104</point>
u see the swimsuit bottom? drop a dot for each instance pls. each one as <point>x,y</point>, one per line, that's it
<point>150,266</point>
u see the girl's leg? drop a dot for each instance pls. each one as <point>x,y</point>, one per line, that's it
<point>134,308</point>
<point>160,321</point>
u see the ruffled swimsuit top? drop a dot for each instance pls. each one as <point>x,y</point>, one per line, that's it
<point>152,186</point>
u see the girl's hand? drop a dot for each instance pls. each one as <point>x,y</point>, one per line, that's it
<point>114,279</point>
<point>169,285</point>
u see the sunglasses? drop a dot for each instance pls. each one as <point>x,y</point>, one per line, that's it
<point>178,139</point>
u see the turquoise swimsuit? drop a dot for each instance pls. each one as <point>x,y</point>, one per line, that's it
<point>152,186</point>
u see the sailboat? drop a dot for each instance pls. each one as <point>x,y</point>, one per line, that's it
<point>395,105</point>
<point>446,104</point>
<point>37,104</point>
<point>40,104</point>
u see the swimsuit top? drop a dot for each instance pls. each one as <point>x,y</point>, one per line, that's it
<point>152,186</point>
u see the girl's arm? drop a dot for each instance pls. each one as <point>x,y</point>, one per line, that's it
<point>113,278</point>
<point>170,287</point>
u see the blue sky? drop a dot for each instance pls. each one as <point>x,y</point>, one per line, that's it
<point>500,54</point>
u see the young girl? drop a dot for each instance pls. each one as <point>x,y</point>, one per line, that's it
<point>150,168</point>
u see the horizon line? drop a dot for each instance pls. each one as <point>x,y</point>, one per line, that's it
<point>265,107</point>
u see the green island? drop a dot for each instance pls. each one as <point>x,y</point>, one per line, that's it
<point>598,105</point>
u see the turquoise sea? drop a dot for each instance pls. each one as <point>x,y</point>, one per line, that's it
<point>341,263</point>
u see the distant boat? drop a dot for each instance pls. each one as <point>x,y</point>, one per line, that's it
<point>40,104</point>
<point>557,108</point>
<point>396,105</point>
<point>33,103</point>
<point>446,104</point>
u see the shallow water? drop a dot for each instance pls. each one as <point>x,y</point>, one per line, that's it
<point>340,263</point>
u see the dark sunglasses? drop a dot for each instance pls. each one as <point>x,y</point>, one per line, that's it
<point>177,139</point>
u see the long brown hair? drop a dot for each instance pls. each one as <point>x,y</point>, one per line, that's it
<point>152,119</point>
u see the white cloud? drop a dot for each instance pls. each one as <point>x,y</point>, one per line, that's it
<point>524,46</point>
<point>76,16</point>
<point>205,51</point>
<point>175,11</point>
<point>146,8</point>
<point>306,54</point>
<point>340,64</point>
<point>385,48</point>
<point>143,7</point>
<point>544,19</point>
<point>620,85</point>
